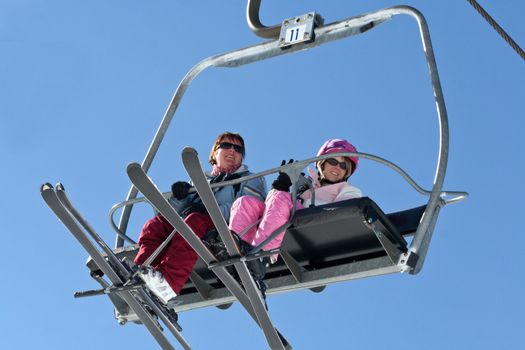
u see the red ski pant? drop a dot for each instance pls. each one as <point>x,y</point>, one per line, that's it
<point>177,259</point>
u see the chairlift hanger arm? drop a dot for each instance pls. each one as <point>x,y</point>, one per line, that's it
<point>252,17</point>
<point>232,59</point>
<point>330,32</point>
<point>157,140</point>
<point>323,34</point>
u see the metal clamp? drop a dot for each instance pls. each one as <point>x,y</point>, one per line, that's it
<point>299,29</point>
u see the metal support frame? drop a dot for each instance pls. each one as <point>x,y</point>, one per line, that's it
<point>323,34</point>
<point>315,280</point>
<point>297,270</point>
<point>294,267</point>
<point>123,312</point>
<point>200,284</point>
<point>391,250</point>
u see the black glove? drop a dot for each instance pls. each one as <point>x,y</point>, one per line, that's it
<point>194,208</point>
<point>283,182</point>
<point>180,189</point>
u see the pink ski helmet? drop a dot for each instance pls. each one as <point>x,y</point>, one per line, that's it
<point>339,145</point>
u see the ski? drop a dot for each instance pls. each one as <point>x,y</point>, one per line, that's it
<point>116,263</point>
<point>68,219</point>
<point>168,316</point>
<point>145,185</point>
<point>191,162</point>
<point>150,191</point>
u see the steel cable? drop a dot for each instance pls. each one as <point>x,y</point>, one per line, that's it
<point>497,27</point>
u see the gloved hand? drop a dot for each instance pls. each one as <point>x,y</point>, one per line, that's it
<point>180,189</point>
<point>283,182</point>
<point>194,208</point>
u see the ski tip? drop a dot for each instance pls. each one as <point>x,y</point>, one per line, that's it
<point>45,187</point>
<point>60,187</point>
<point>133,165</point>
<point>189,150</point>
<point>287,345</point>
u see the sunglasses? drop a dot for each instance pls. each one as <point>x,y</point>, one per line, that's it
<point>228,145</point>
<point>334,162</point>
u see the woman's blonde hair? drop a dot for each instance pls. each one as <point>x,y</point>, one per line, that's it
<point>350,166</point>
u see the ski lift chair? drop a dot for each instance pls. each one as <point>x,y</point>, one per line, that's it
<point>368,248</point>
<point>323,244</point>
<point>331,243</point>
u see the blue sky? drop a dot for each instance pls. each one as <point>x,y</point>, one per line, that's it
<point>84,86</point>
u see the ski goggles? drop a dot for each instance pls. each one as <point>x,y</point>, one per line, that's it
<point>228,145</point>
<point>334,162</point>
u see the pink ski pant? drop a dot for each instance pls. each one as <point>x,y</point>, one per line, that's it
<point>274,212</point>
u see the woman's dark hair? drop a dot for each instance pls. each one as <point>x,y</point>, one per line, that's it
<point>225,135</point>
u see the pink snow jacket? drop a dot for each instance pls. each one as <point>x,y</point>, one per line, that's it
<point>329,193</point>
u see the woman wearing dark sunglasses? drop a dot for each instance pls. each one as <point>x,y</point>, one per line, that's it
<point>172,267</point>
<point>330,185</point>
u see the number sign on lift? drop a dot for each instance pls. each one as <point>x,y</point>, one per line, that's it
<point>296,30</point>
<point>295,34</point>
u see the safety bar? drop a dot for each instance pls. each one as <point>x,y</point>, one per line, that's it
<point>298,166</point>
<point>330,32</point>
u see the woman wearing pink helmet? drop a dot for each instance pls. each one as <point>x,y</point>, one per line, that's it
<point>330,185</point>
